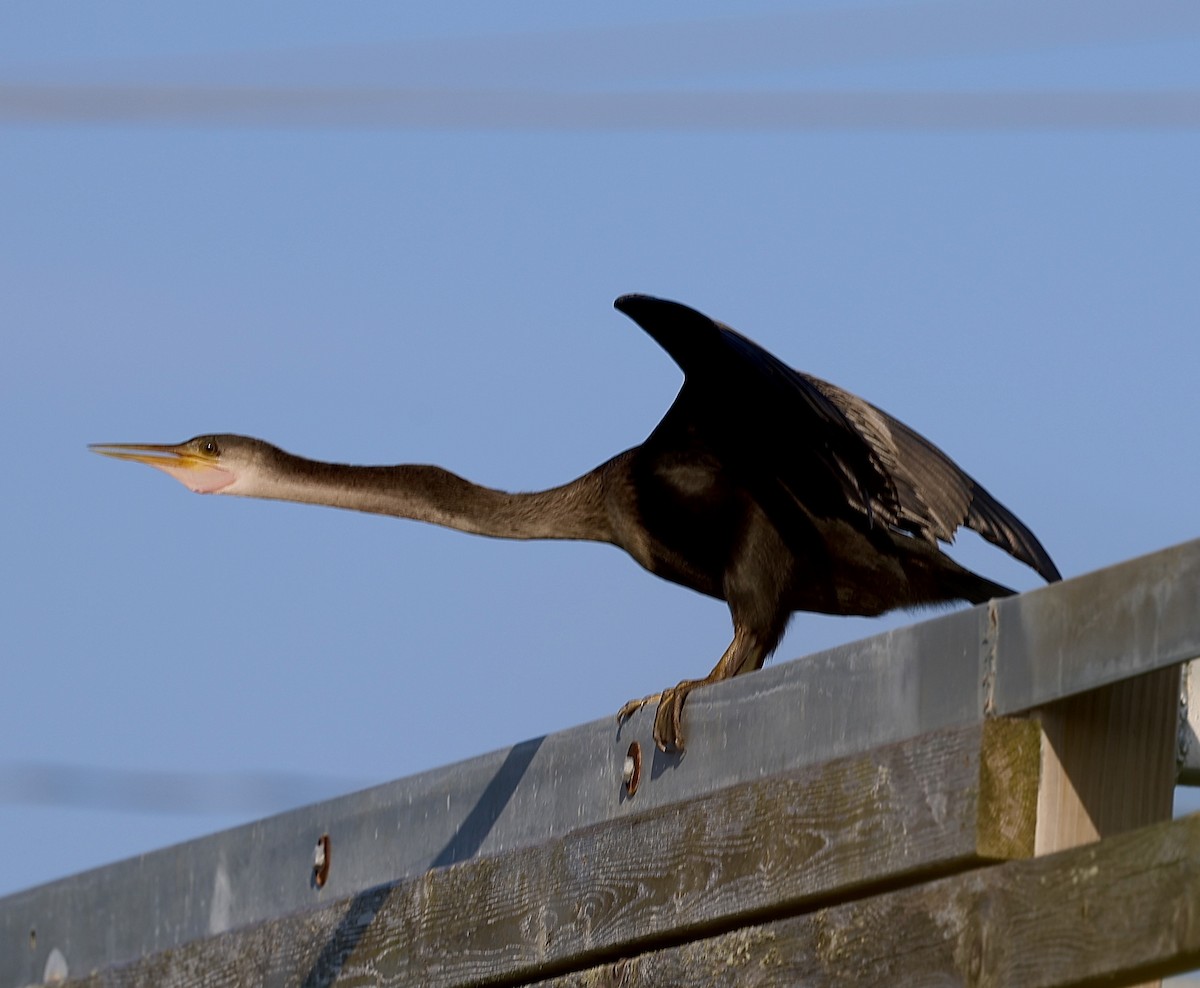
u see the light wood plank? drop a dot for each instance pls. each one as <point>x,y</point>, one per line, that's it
<point>1108,761</point>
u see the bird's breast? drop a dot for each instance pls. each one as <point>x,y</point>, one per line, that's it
<point>686,521</point>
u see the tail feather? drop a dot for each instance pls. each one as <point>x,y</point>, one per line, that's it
<point>979,590</point>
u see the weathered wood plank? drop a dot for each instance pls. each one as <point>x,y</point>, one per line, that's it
<point>1096,629</point>
<point>941,802</point>
<point>1110,913</point>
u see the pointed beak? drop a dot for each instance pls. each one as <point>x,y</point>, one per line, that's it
<point>196,470</point>
<point>153,455</point>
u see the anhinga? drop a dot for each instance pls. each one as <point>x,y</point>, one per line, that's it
<point>761,486</point>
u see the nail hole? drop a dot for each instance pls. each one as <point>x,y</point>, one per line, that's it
<point>32,938</point>
<point>632,772</point>
<point>321,856</point>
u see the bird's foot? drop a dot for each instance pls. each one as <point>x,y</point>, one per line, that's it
<point>633,706</point>
<point>668,718</point>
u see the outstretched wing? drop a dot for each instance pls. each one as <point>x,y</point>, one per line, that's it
<point>935,495</point>
<point>833,452</point>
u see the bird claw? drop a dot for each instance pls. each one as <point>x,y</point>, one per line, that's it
<point>668,718</point>
<point>633,706</point>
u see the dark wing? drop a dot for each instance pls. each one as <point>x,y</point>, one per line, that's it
<point>833,451</point>
<point>936,496</point>
<point>746,397</point>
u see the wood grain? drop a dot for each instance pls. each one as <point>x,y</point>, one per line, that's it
<point>1108,761</point>
<point>902,814</point>
<point>1111,913</point>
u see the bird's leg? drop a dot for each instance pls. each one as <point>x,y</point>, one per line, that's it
<point>744,654</point>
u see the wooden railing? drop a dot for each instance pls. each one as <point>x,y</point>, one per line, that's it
<point>979,799</point>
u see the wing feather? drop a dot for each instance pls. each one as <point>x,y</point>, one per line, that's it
<point>937,497</point>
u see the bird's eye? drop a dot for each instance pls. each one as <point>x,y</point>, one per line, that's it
<point>210,447</point>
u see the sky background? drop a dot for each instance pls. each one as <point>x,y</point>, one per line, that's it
<point>381,234</point>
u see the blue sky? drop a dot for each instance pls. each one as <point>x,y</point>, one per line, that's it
<point>384,235</point>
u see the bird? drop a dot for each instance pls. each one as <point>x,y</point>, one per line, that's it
<point>767,488</point>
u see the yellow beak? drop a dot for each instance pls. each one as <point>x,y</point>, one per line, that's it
<point>198,471</point>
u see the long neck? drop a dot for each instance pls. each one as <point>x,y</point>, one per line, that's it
<point>431,494</point>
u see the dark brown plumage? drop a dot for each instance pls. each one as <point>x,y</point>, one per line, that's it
<point>761,486</point>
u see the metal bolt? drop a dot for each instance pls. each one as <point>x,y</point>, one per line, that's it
<point>321,856</point>
<point>632,772</point>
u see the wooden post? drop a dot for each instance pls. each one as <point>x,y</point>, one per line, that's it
<point>1108,761</point>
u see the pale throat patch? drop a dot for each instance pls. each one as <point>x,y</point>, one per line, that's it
<point>202,480</point>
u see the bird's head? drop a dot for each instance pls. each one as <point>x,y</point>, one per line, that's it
<point>218,464</point>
